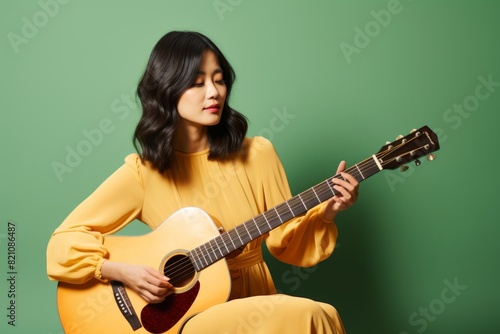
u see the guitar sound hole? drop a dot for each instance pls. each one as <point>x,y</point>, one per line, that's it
<point>180,270</point>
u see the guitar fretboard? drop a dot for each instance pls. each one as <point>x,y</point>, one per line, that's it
<point>217,248</point>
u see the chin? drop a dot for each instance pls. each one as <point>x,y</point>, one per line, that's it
<point>213,121</point>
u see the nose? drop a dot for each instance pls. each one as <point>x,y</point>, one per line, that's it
<point>212,90</point>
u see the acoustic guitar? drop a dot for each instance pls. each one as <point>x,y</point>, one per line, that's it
<point>191,251</point>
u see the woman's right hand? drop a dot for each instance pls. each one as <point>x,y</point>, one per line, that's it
<point>147,282</point>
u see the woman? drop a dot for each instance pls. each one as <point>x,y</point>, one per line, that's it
<point>193,151</point>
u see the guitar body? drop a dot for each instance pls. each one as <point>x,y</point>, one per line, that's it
<point>91,307</point>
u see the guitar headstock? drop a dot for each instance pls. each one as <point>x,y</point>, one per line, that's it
<point>417,143</point>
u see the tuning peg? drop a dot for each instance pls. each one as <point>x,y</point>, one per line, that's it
<point>417,162</point>
<point>417,133</point>
<point>387,142</point>
<point>431,157</point>
<point>399,137</point>
<point>403,168</point>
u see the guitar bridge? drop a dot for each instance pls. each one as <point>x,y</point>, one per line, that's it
<point>124,304</point>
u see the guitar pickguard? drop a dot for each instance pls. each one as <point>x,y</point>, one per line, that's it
<point>159,318</point>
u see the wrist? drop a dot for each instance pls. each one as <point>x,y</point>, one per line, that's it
<point>111,270</point>
<point>327,215</point>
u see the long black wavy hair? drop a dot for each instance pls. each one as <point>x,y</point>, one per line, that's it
<point>171,70</point>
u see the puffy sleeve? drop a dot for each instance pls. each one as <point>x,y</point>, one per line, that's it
<point>75,251</point>
<point>305,240</point>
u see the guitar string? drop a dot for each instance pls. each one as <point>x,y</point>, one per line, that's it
<point>254,229</point>
<point>263,223</point>
<point>182,269</point>
<point>212,250</point>
<point>254,225</point>
<point>186,268</point>
<point>305,196</point>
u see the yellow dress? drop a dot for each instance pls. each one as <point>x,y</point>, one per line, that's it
<point>231,192</point>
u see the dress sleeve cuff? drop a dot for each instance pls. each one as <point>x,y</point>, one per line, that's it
<point>321,215</point>
<point>98,273</point>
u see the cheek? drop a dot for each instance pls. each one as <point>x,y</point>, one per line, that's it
<point>189,97</point>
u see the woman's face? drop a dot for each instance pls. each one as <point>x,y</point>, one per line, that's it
<point>201,105</point>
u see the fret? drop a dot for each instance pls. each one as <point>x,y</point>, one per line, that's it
<point>369,168</point>
<point>286,214</point>
<point>319,201</point>
<point>314,199</point>
<point>243,234</point>
<point>264,223</point>
<point>320,194</point>
<point>215,248</point>
<point>206,252</point>
<point>202,257</point>
<point>295,203</point>
<point>273,218</point>
<point>267,221</point>
<point>239,237</point>
<point>304,204</point>
<point>248,232</point>
<point>210,252</point>
<point>329,185</point>
<point>212,249</point>
<point>195,259</point>
<point>221,237</point>
<point>278,215</point>
<point>257,225</point>
<point>359,170</point>
<point>288,204</point>
<point>236,238</point>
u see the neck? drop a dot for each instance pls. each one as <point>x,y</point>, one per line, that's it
<point>191,140</point>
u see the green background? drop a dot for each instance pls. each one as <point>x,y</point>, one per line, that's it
<point>410,236</point>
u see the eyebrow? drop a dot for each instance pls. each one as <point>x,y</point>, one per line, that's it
<point>218,70</point>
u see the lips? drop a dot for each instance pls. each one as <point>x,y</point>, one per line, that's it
<point>212,108</point>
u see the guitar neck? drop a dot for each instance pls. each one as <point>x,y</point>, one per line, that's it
<point>217,248</point>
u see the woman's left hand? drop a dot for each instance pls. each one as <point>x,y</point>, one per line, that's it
<point>347,193</point>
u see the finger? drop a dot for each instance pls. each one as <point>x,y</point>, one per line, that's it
<point>343,184</point>
<point>154,293</point>
<point>156,278</point>
<point>341,167</point>
<point>340,203</point>
<point>166,294</point>
<point>350,179</point>
<point>157,290</point>
<point>151,298</point>
<point>155,287</point>
<point>163,282</point>
<point>343,192</point>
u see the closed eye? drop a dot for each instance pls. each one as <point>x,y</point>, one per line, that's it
<point>202,83</point>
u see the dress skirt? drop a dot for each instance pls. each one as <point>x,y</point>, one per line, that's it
<point>267,315</point>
